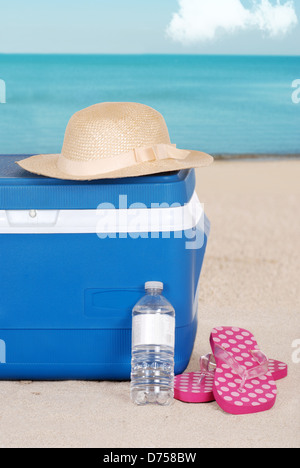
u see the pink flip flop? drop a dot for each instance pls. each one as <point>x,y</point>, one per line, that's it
<point>278,369</point>
<point>197,387</point>
<point>243,383</point>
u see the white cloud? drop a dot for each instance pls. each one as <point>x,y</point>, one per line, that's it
<point>202,20</point>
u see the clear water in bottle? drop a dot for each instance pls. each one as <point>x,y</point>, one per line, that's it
<point>153,339</point>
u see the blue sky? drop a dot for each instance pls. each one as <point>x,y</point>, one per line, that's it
<point>120,26</point>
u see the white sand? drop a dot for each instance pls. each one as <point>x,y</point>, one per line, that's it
<point>250,279</point>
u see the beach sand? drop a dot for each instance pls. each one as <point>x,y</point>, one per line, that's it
<point>250,279</point>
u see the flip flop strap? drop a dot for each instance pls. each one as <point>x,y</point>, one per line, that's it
<point>207,366</point>
<point>245,374</point>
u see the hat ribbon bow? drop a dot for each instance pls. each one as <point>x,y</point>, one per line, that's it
<point>160,152</point>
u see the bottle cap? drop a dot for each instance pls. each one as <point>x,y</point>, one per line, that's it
<point>154,285</point>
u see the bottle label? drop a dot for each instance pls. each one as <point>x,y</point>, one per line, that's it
<point>153,329</point>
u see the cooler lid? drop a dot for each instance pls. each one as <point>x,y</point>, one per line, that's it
<point>21,190</point>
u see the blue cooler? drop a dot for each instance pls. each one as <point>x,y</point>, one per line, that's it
<point>74,257</point>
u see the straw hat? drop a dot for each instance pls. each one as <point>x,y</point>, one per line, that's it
<point>114,140</point>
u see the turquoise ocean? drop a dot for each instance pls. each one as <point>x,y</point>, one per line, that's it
<point>226,105</point>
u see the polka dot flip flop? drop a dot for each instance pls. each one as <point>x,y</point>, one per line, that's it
<point>243,383</point>
<point>278,369</point>
<point>197,387</point>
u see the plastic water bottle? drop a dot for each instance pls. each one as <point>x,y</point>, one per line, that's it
<point>153,340</point>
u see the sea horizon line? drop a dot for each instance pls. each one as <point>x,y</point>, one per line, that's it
<point>139,54</point>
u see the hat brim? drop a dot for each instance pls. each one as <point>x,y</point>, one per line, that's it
<point>46,165</point>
